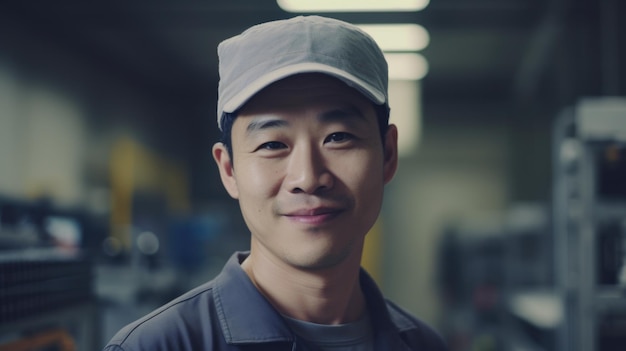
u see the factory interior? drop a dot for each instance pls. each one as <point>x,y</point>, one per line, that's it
<point>504,227</point>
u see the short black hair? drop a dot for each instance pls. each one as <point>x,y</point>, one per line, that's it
<point>227,120</point>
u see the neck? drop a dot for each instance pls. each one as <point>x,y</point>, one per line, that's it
<point>324,296</point>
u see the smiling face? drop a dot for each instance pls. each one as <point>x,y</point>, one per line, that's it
<point>308,170</point>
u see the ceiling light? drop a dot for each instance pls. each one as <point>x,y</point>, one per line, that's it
<point>398,37</point>
<point>352,5</point>
<point>406,66</point>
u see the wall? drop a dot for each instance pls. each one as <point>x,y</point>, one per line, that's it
<point>459,172</point>
<point>61,114</point>
<point>43,137</point>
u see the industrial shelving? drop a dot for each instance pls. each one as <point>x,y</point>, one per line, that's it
<point>46,280</point>
<point>589,218</point>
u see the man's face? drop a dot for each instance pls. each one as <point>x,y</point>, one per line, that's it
<point>308,170</point>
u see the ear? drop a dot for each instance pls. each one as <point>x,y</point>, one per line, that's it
<point>390,153</point>
<point>227,172</point>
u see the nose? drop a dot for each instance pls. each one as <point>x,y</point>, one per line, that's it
<point>307,171</point>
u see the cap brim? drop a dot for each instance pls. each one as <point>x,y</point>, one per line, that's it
<point>252,89</point>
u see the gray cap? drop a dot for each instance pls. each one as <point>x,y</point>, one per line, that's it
<point>271,51</point>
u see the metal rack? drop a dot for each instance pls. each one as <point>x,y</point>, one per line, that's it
<point>78,323</point>
<point>587,264</point>
<point>46,279</point>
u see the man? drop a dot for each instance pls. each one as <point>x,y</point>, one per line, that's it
<point>306,150</point>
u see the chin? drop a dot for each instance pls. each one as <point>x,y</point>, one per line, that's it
<point>322,261</point>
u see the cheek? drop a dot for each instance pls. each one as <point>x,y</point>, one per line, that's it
<point>363,179</point>
<point>361,170</point>
<point>257,178</point>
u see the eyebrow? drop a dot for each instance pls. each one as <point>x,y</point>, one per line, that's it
<point>335,115</point>
<point>262,124</point>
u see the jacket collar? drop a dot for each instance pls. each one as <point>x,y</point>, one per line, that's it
<point>377,307</point>
<point>246,316</point>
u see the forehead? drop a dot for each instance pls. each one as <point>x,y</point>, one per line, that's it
<point>304,91</point>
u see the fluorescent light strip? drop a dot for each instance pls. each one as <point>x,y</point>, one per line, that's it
<point>352,5</point>
<point>398,37</point>
<point>406,66</point>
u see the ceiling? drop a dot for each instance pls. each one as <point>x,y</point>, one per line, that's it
<point>487,50</point>
<point>522,54</point>
<point>478,48</point>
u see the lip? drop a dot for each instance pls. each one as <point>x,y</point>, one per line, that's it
<point>314,216</point>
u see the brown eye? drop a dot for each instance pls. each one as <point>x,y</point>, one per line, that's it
<point>338,137</point>
<point>272,145</point>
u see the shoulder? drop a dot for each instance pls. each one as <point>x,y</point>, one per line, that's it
<point>183,321</point>
<point>415,332</point>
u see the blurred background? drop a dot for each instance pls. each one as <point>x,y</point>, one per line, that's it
<point>505,227</point>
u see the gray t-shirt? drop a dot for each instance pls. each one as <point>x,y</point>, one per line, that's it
<point>356,336</point>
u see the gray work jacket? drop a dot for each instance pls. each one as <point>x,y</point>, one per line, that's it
<point>229,313</point>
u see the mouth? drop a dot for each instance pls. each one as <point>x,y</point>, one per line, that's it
<point>314,216</point>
